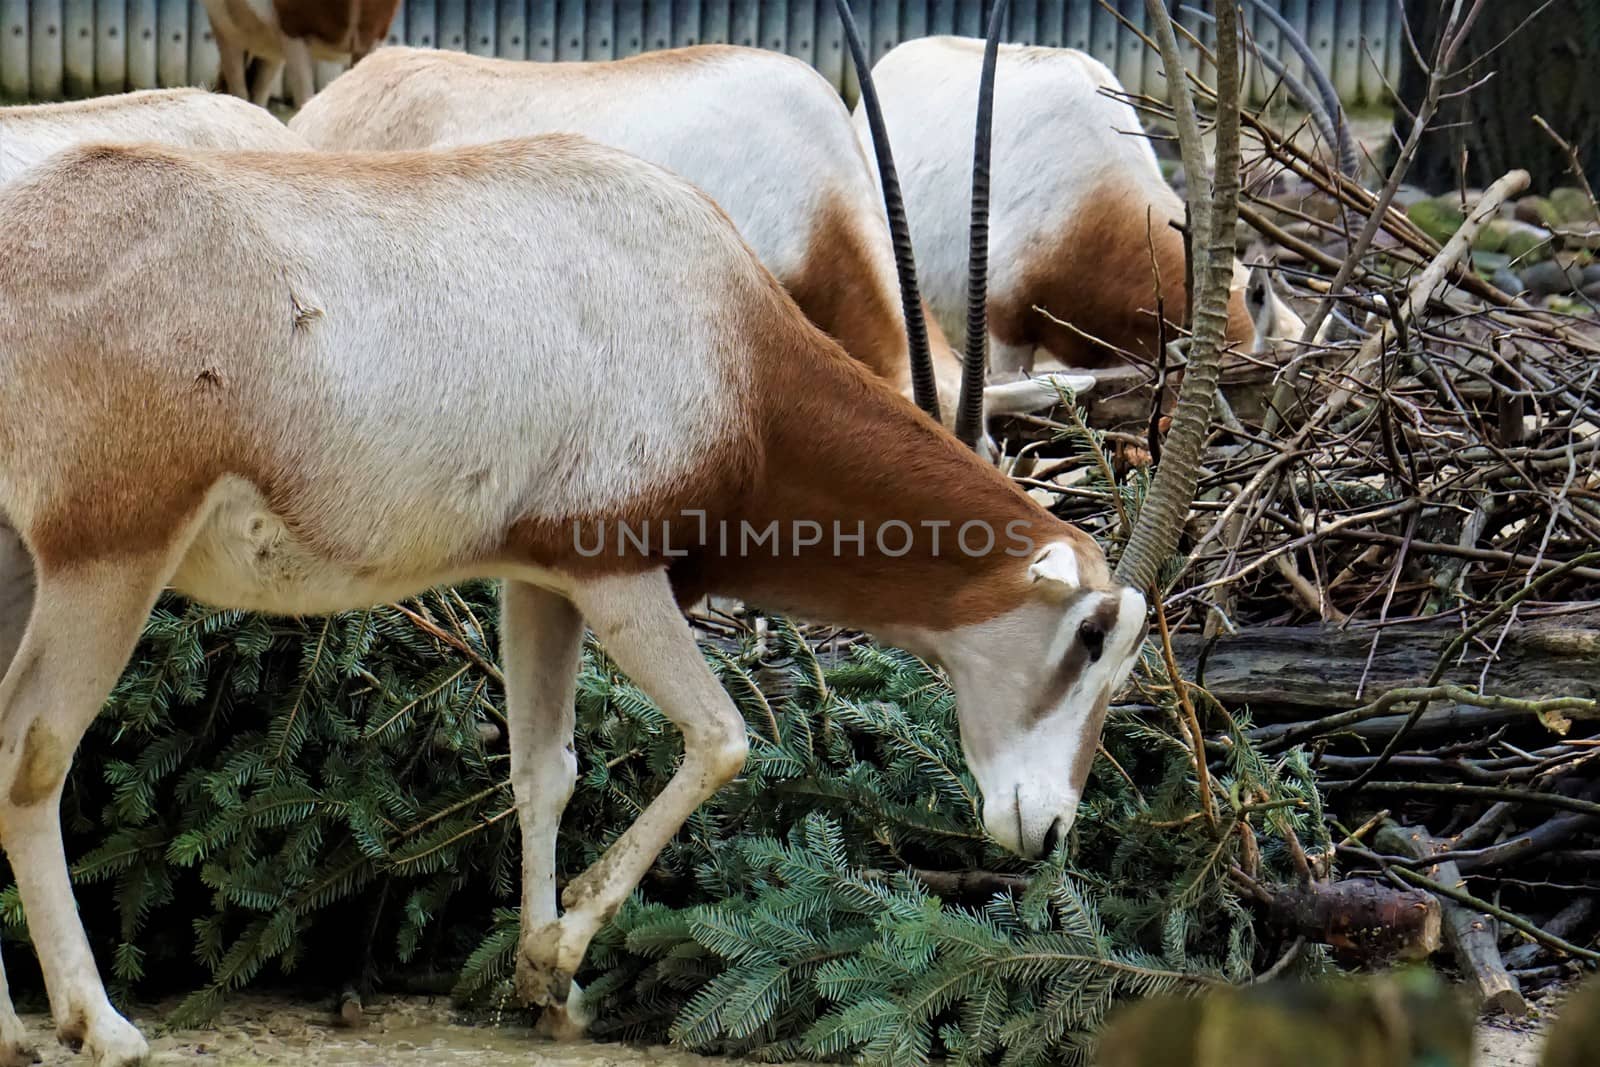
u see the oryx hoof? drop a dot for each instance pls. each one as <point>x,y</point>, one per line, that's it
<point>568,1021</point>
<point>542,985</point>
<point>112,1041</point>
<point>18,1053</point>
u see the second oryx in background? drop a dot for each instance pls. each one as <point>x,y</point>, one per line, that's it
<point>290,36</point>
<point>182,118</point>
<point>764,134</point>
<point>1081,215</point>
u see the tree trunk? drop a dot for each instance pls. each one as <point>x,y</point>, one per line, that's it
<point>1548,69</point>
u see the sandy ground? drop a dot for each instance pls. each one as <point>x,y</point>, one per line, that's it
<point>418,1032</point>
<point>1499,1046</point>
<point>410,1031</point>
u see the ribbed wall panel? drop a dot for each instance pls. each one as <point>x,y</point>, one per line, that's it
<point>55,48</point>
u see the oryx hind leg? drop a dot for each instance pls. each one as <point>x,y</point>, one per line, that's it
<point>16,605</point>
<point>264,76</point>
<point>541,638</point>
<point>636,618</point>
<point>300,75</point>
<point>85,622</point>
<point>16,593</point>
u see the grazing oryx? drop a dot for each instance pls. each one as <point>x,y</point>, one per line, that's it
<point>188,118</point>
<point>242,375</point>
<point>295,33</point>
<point>191,118</point>
<point>1080,212</point>
<point>762,133</point>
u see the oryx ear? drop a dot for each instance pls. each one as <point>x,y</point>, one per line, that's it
<point>1057,563</point>
<point>1258,290</point>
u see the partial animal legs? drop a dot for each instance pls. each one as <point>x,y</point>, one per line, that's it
<point>302,71</point>
<point>266,72</point>
<point>1009,363</point>
<point>16,605</point>
<point>637,619</point>
<point>541,636</point>
<point>85,623</point>
<point>234,79</point>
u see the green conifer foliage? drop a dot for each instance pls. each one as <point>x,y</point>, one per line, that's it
<point>263,794</point>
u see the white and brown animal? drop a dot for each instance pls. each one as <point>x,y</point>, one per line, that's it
<point>31,134</point>
<point>1080,213</point>
<point>185,118</point>
<point>289,37</point>
<point>764,134</point>
<point>239,374</point>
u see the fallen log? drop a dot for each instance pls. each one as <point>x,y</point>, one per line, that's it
<point>1365,922</point>
<point>1286,671</point>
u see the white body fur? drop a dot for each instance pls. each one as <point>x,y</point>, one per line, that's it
<point>761,132</point>
<point>287,437</point>
<point>190,118</point>
<point>1059,143</point>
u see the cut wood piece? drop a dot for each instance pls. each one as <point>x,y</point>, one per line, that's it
<point>1366,922</point>
<point>1470,934</point>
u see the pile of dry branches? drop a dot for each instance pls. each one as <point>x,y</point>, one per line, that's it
<point>1394,556</point>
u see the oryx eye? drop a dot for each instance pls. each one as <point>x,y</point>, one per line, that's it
<point>1093,636</point>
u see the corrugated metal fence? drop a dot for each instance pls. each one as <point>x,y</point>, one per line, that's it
<point>50,49</point>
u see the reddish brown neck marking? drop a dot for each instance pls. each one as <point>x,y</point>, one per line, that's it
<point>839,290</point>
<point>842,447</point>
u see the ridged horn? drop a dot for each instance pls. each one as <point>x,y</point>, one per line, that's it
<point>923,386</point>
<point>969,416</point>
<point>1297,89</point>
<point>1344,144</point>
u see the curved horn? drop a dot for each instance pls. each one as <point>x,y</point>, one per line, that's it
<point>922,383</point>
<point>969,416</point>
<point>1344,144</point>
<point>1166,506</point>
<point>1297,88</point>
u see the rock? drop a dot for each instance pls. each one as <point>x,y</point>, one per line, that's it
<point>1582,235</point>
<point>1506,282</point>
<point>1591,292</point>
<point>1439,218</point>
<point>1407,195</point>
<point>1551,278</point>
<point>1490,262</point>
<point>1524,243</point>
<point>1492,238</point>
<point>1536,210</point>
<point>1591,275</point>
<point>1572,204</point>
<point>1516,239</point>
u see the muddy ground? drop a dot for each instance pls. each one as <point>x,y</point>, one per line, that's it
<point>418,1032</point>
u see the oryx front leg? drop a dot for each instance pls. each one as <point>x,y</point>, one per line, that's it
<point>16,593</point>
<point>541,636</point>
<point>232,64</point>
<point>266,76</point>
<point>15,1050</point>
<point>301,73</point>
<point>85,623</point>
<point>637,620</point>
<point>16,605</point>
<point>1009,363</point>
